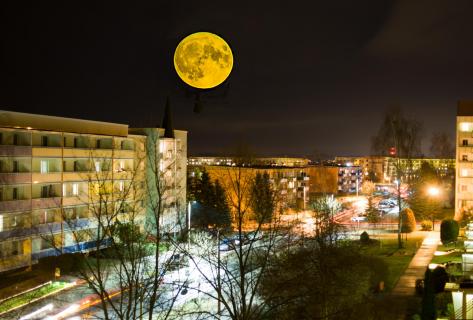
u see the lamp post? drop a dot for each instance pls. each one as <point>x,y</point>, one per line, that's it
<point>219,285</point>
<point>433,192</point>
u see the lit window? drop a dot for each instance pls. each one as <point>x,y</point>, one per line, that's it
<point>1,222</point>
<point>97,166</point>
<point>121,186</point>
<point>466,126</point>
<point>75,189</point>
<point>122,165</point>
<point>64,190</point>
<point>44,166</point>
<point>464,173</point>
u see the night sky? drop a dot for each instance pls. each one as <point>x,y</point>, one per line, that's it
<point>309,76</point>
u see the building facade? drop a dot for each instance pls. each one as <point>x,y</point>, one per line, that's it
<point>291,184</point>
<point>254,162</point>
<point>56,172</point>
<point>383,169</point>
<point>464,159</point>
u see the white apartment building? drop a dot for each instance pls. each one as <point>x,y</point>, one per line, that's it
<point>53,170</point>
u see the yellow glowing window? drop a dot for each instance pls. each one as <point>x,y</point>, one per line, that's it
<point>466,126</point>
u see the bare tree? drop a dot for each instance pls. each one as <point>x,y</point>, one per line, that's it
<point>399,136</point>
<point>231,266</point>
<point>441,146</point>
<point>117,240</point>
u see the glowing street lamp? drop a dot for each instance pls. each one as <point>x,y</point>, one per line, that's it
<point>433,192</point>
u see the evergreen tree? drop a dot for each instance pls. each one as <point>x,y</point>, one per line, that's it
<point>372,214</point>
<point>408,221</point>
<point>204,211</point>
<point>424,205</point>
<point>263,198</point>
<point>449,230</point>
<point>223,219</point>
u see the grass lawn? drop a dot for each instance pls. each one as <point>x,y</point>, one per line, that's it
<point>455,256</point>
<point>396,259</point>
<point>28,297</point>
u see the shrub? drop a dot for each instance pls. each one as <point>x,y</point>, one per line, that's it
<point>426,225</point>
<point>408,221</point>
<point>449,230</point>
<point>364,238</point>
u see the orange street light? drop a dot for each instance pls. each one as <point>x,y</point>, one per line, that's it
<point>433,191</point>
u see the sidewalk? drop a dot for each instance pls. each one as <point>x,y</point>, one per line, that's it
<point>403,294</point>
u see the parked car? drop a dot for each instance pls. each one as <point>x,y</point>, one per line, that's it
<point>358,218</point>
<point>386,203</point>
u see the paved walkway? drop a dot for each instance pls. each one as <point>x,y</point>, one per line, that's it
<point>403,295</point>
<point>416,269</point>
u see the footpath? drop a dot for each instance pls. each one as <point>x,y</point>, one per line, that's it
<point>403,294</point>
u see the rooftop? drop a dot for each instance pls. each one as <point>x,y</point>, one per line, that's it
<point>11,119</point>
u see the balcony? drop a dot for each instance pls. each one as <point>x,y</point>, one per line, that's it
<point>14,262</point>
<point>15,151</point>
<point>15,233</point>
<point>46,177</point>
<point>55,152</point>
<point>15,177</point>
<point>15,205</point>
<point>43,203</point>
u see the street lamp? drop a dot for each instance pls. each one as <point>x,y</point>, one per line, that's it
<point>433,192</point>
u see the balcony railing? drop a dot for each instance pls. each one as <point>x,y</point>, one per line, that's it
<point>15,177</point>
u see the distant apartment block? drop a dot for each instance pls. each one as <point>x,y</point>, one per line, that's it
<point>290,182</point>
<point>55,170</point>
<point>254,162</point>
<point>383,169</point>
<point>464,159</point>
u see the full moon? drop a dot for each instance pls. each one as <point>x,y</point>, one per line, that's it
<point>203,60</point>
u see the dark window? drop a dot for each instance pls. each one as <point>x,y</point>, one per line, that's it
<point>15,139</point>
<point>98,144</point>
<point>464,157</point>
<point>44,191</point>
<point>76,166</point>
<point>16,167</point>
<point>15,194</point>
<point>465,142</point>
<point>44,141</point>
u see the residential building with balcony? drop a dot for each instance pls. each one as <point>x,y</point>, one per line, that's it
<point>383,169</point>
<point>253,162</point>
<point>291,184</point>
<point>54,171</point>
<point>464,159</point>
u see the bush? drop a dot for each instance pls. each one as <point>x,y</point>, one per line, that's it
<point>449,230</point>
<point>426,225</point>
<point>408,221</point>
<point>364,238</point>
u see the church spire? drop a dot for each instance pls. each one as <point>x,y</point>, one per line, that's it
<point>167,121</point>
